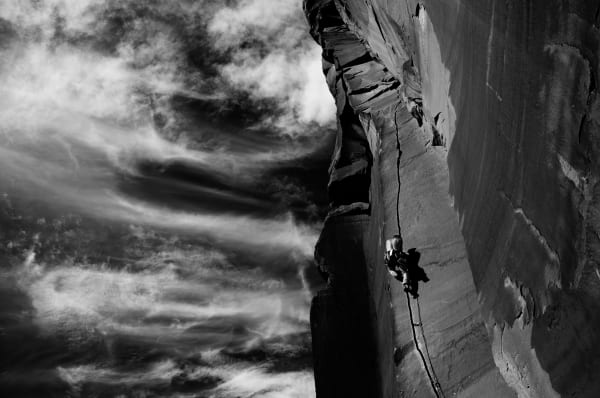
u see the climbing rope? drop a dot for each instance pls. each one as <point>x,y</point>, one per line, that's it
<point>433,379</point>
<point>414,333</point>
<point>437,382</point>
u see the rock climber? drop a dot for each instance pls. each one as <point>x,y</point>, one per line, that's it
<point>404,266</point>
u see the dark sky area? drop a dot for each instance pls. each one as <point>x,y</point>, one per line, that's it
<point>162,185</point>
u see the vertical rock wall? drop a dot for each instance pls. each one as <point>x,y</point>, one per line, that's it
<point>510,89</point>
<point>352,319</point>
<point>363,191</point>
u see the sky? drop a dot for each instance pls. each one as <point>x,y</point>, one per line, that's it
<point>162,176</point>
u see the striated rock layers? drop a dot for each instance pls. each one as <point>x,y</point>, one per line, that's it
<point>493,108</point>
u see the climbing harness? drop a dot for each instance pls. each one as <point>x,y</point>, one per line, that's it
<point>433,379</point>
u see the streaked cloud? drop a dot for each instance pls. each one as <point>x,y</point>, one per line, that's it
<point>245,230</point>
<point>119,122</point>
<point>75,116</point>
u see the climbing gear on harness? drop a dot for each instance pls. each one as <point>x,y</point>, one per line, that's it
<point>433,379</point>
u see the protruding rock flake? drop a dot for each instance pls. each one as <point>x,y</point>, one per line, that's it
<point>474,126</point>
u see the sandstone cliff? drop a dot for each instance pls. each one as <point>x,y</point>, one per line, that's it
<point>498,190</point>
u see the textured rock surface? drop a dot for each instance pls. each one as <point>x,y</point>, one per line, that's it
<point>509,88</point>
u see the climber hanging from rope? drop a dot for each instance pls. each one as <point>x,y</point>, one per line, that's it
<point>404,266</point>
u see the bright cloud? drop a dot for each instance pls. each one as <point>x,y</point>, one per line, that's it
<point>289,70</point>
<point>250,15</point>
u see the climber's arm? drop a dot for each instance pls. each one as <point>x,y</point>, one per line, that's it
<point>389,263</point>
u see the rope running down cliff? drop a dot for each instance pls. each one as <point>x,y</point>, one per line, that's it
<point>437,382</point>
<point>433,379</point>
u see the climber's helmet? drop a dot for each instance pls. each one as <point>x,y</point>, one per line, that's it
<point>396,243</point>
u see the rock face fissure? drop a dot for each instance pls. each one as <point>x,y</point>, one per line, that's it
<point>497,111</point>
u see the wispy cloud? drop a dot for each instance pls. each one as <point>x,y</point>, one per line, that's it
<point>245,230</point>
<point>103,109</point>
<point>94,193</point>
<point>285,64</point>
<point>260,18</point>
<point>169,293</point>
<point>77,97</point>
<point>44,15</point>
<point>253,381</point>
<point>76,112</point>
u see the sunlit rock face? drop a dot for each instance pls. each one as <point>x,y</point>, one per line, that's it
<point>498,187</point>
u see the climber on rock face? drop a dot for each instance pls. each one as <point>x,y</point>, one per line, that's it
<point>404,266</point>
